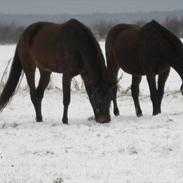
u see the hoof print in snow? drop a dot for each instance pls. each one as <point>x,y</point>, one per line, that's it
<point>14,125</point>
<point>58,180</point>
<point>91,118</point>
<point>132,150</point>
<point>169,120</point>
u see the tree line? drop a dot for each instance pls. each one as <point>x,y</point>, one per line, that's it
<point>10,33</point>
<point>101,28</point>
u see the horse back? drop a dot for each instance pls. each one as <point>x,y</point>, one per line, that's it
<point>140,50</point>
<point>51,46</point>
<point>122,48</point>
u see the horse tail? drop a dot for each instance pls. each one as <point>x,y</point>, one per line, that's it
<point>108,47</point>
<point>13,80</point>
<point>110,40</point>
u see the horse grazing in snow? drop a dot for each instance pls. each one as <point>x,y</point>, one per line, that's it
<point>148,50</point>
<point>69,48</point>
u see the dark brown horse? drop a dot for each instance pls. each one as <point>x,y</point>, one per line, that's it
<point>68,48</point>
<point>149,50</point>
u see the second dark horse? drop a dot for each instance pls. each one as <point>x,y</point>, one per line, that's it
<point>149,50</point>
<point>69,48</point>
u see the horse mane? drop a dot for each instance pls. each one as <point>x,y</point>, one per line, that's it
<point>154,29</point>
<point>100,58</point>
<point>91,37</point>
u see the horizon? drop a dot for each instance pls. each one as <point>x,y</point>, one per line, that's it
<point>55,7</point>
<point>95,13</point>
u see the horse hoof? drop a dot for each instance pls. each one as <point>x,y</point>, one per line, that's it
<point>156,113</point>
<point>139,114</point>
<point>39,120</point>
<point>116,112</point>
<point>65,122</point>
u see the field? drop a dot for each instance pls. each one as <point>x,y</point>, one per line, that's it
<point>127,150</point>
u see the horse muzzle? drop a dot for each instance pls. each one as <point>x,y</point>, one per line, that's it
<point>103,119</point>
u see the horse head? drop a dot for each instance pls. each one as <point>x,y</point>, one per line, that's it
<point>100,99</point>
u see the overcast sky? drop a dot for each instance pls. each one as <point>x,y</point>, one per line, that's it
<point>86,6</point>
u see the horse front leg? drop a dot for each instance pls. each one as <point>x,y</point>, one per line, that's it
<point>161,85</point>
<point>30,75</point>
<point>66,84</point>
<point>135,94</point>
<point>153,93</point>
<point>114,96</point>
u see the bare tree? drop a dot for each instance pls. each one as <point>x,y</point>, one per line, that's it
<point>101,28</point>
<point>9,33</point>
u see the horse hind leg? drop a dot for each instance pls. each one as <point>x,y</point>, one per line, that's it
<point>43,83</point>
<point>135,94</point>
<point>161,85</point>
<point>30,75</point>
<point>66,84</point>
<point>153,93</point>
<point>115,110</point>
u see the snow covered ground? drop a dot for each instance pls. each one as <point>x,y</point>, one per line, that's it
<point>127,150</point>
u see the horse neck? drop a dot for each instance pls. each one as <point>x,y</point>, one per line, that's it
<point>91,83</point>
<point>99,77</point>
<point>93,59</point>
<point>95,78</point>
<point>95,67</point>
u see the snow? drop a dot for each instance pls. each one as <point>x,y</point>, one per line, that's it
<point>127,150</point>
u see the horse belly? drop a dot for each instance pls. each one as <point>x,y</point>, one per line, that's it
<point>47,59</point>
<point>50,65</point>
<point>130,64</point>
<point>134,71</point>
<point>56,59</point>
